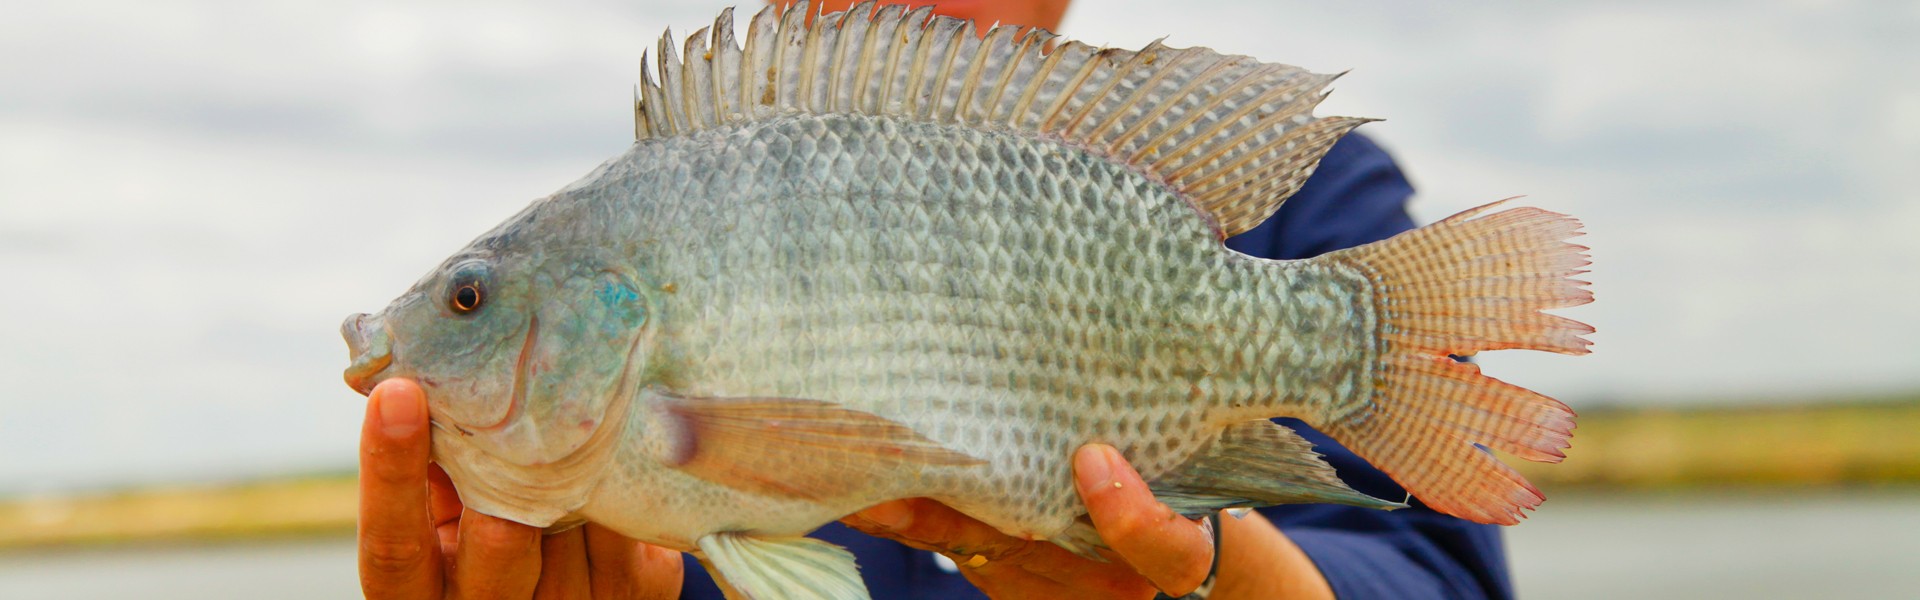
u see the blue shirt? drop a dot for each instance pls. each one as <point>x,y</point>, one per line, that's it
<point>1356,196</point>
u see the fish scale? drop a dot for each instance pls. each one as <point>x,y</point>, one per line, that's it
<point>909,261</point>
<point>760,326</point>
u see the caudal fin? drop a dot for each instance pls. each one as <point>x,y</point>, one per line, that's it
<point>1457,287</point>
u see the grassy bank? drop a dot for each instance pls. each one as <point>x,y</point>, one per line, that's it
<point>269,508</point>
<point>1781,448</point>
<point>1862,443</point>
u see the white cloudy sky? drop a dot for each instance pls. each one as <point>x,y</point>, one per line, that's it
<point>193,193</point>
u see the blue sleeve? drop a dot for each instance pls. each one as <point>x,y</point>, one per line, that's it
<point>1358,196</point>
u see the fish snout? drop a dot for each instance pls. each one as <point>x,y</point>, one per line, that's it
<point>370,348</point>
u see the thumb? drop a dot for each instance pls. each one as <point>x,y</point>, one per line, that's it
<point>399,553</point>
<point>1170,550</point>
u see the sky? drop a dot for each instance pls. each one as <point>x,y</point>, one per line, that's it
<point>194,193</point>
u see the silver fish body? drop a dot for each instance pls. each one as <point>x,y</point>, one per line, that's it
<point>990,292</point>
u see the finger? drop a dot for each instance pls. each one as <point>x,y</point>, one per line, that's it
<point>661,571</point>
<point>563,566</point>
<point>930,525</point>
<point>443,506</point>
<point>497,558</point>
<point>443,500</point>
<point>1172,551</point>
<point>623,569</point>
<point>399,554</point>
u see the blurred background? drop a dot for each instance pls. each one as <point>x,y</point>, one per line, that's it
<point>193,193</point>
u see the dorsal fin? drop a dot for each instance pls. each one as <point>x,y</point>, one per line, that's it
<point>1231,135</point>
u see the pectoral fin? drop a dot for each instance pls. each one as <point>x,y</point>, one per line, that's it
<point>798,568</point>
<point>792,447</point>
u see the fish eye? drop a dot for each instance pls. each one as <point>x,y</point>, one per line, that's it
<point>468,291</point>
<point>467,297</point>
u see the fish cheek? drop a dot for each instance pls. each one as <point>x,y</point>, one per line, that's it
<point>466,363</point>
<point>583,359</point>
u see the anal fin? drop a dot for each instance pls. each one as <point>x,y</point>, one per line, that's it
<point>792,447</point>
<point>1082,540</point>
<point>756,568</point>
<point>1257,463</point>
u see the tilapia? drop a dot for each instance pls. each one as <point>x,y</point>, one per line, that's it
<point>877,255</point>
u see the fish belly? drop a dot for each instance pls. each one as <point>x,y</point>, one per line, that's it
<point>1008,297</point>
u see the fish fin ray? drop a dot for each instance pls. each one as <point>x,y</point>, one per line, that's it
<point>1256,463</point>
<point>791,447</point>
<point>1083,540</point>
<point>760,568</point>
<point>1232,136</point>
<point>1457,287</point>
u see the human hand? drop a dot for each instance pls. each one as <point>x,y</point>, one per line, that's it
<point>418,542</point>
<point>1153,549</point>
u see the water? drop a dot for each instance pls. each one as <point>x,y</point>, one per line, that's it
<point>1826,545</point>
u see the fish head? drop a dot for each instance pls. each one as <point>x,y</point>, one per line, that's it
<point>521,349</point>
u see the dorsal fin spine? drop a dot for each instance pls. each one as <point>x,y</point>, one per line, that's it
<point>934,47</point>
<point>755,86</point>
<point>697,74</point>
<point>971,82</point>
<point>1152,116</point>
<point>1119,75</point>
<point>1231,167</point>
<point>1287,94</point>
<point>790,52</point>
<point>1309,143</point>
<point>960,36</point>
<point>1026,37</point>
<point>748,83</point>
<point>1094,60</point>
<point>1276,93</point>
<point>1213,101</point>
<point>670,84</point>
<point>1145,89</point>
<point>720,48</point>
<point>642,114</point>
<point>1230,136</point>
<point>846,39</point>
<point>1292,139</point>
<point>863,71</point>
<point>916,74</point>
<point>1024,105</point>
<point>809,61</point>
<point>895,48</point>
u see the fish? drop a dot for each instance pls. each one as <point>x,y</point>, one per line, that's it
<point>877,254</point>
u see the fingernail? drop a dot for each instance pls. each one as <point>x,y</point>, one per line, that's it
<point>891,515</point>
<point>399,416</point>
<point>1094,464</point>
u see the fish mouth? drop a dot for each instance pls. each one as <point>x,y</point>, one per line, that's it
<point>517,403</point>
<point>371,349</point>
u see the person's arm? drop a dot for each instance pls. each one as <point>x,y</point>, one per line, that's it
<point>1357,196</point>
<point>417,541</point>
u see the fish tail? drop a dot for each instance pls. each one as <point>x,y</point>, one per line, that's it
<point>1454,288</point>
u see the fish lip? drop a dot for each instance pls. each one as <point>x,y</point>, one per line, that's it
<point>361,375</point>
<point>517,403</point>
<point>371,354</point>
